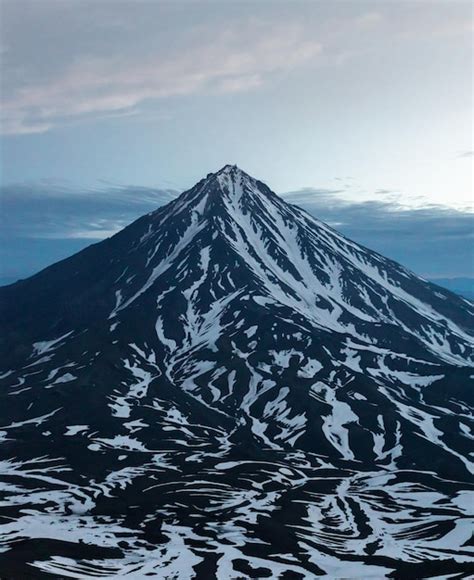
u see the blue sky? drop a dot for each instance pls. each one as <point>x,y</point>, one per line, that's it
<point>362,108</point>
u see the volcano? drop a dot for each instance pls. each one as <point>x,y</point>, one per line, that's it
<point>229,388</point>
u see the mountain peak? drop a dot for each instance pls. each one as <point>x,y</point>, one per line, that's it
<point>228,168</point>
<point>226,188</point>
<point>232,174</point>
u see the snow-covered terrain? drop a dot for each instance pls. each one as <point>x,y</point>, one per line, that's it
<point>228,388</point>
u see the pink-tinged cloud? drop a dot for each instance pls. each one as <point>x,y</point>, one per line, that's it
<point>99,86</point>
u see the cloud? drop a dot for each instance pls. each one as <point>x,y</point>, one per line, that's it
<point>59,211</point>
<point>466,154</point>
<point>231,60</point>
<point>65,62</point>
<point>368,20</point>
<point>92,232</point>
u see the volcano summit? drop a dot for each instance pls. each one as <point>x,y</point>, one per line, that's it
<point>229,388</point>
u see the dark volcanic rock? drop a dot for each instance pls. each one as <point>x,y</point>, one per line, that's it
<point>229,388</point>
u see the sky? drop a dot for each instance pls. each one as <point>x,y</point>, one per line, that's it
<point>361,111</point>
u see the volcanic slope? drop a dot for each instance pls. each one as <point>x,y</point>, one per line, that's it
<point>228,388</point>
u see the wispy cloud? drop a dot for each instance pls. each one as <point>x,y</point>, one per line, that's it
<point>230,61</point>
<point>466,154</point>
<point>368,19</point>
<point>64,62</point>
<point>59,211</point>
